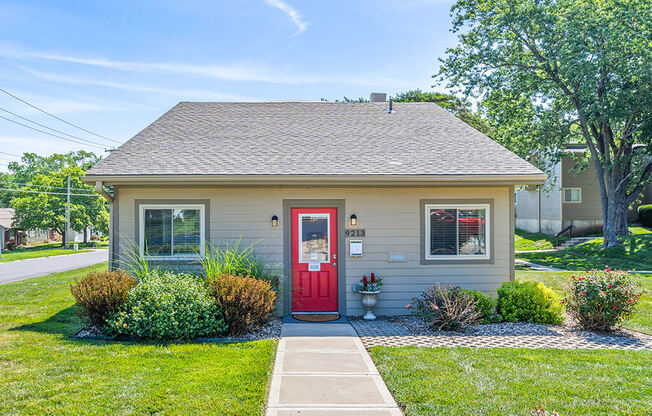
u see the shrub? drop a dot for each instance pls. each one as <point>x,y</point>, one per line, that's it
<point>447,308</point>
<point>484,304</point>
<point>232,260</point>
<point>601,299</point>
<point>10,245</point>
<point>100,294</point>
<point>245,302</point>
<point>165,306</point>
<point>529,302</point>
<point>645,215</point>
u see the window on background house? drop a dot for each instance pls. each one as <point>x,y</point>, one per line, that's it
<point>573,195</point>
<point>172,231</point>
<point>457,231</point>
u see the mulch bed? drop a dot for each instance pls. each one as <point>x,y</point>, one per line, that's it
<point>270,331</point>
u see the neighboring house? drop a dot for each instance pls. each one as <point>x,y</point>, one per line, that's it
<point>8,234</point>
<point>329,192</point>
<point>566,198</point>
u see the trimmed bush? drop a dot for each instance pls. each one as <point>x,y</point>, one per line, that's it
<point>529,302</point>
<point>645,215</point>
<point>99,294</point>
<point>166,306</point>
<point>601,299</point>
<point>484,304</point>
<point>245,302</point>
<point>446,308</point>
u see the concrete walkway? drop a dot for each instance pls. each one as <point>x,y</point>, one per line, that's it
<point>324,370</point>
<point>24,269</point>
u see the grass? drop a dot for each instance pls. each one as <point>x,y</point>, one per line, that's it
<point>641,321</point>
<point>44,250</point>
<point>501,381</point>
<point>45,371</point>
<point>635,253</point>
<point>524,240</point>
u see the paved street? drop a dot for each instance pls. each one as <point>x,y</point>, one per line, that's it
<point>24,269</point>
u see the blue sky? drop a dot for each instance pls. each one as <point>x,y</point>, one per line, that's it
<point>113,67</point>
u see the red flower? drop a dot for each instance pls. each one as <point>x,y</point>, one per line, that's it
<point>373,278</point>
<point>588,271</point>
<point>407,306</point>
<point>629,300</point>
<point>580,278</point>
<point>583,292</point>
<point>610,286</point>
<point>573,277</point>
<point>607,270</point>
<point>364,280</point>
<point>614,306</point>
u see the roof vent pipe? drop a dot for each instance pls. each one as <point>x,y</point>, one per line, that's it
<point>391,102</point>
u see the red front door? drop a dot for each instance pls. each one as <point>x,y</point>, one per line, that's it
<point>314,259</point>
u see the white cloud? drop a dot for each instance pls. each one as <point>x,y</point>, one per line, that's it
<point>178,93</point>
<point>238,72</point>
<point>291,12</point>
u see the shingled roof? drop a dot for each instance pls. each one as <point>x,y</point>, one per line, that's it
<point>319,139</point>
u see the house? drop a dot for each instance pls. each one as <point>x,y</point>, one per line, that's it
<point>329,192</point>
<point>9,234</point>
<point>566,198</point>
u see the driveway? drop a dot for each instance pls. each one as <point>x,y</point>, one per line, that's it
<point>24,269</point>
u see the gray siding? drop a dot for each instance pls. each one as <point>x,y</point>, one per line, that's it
<point>390,215</point>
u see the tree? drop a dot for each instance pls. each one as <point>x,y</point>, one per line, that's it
<point>461,108</point>
<point>32,164</point>
<point>556,71</point>
<point>43,206</point>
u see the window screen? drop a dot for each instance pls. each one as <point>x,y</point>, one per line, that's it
<point>171,232</point>
<point>456,231</point>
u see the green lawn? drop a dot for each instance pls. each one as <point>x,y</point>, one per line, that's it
<point>535,241</point>
<point>634,254</point>
<point>45,250</point>
<point>642,319</point>
<point>502,381</point>
<point>45,371</point>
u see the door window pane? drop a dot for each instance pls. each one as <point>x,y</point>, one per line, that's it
<point>471,231</point>
<point>314,238</point>
<point>443,232</point>
<point>186,230</point>
<point>158,232</point>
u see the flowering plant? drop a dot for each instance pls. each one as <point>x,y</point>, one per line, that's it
<point>601,299</point>
<point>372,284</point>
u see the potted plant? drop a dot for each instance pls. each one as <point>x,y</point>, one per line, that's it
<point>369,289</point>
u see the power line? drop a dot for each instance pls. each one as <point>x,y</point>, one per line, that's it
<point>51,134</point>
<point>9,154</point>
<point>46,186</point>
<point>58,118</point>
<point>50,128</point>
<point>44,192</point>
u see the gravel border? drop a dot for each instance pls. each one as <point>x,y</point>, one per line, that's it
<point>409,330</point>
<point>270,331</point>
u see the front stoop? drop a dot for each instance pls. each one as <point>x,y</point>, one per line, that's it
<point>324,370</point>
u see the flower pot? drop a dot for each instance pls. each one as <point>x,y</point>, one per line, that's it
<point>369,302</point>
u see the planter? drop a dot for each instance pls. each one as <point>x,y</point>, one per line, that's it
<point>369,302</point>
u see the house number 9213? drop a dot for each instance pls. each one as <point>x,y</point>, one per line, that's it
<point>355,233</point>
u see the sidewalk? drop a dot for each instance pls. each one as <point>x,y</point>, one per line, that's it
<point>323,370</point>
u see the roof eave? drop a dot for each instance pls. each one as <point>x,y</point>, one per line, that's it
<point>527,179</point>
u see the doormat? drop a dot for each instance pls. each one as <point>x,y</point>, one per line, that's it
<point>316,317</point>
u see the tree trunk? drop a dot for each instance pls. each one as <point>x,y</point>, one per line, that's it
<point>86,235</point>
<point>64,237</point>
<point>621,217</point>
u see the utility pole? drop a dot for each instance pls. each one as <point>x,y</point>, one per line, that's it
<point>68,216</point>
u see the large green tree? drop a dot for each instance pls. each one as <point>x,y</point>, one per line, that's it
<point>459,107</point>
<point>550,72</point>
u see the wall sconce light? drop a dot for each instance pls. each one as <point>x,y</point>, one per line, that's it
<point>274,221</point>
<point>354,219</point>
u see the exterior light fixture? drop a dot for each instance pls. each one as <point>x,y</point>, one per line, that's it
<point>354,219</point>
<point>274,221</point>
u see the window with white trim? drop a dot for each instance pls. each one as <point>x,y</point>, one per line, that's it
<point>457,231</point>
<point>172,231</point>
<point>573,195</point>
